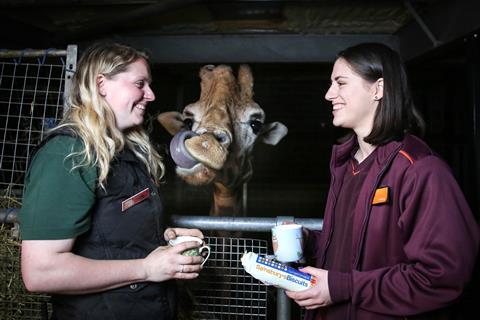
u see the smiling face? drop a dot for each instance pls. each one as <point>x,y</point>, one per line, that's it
<point>354,99</point>
<point>128,93</point>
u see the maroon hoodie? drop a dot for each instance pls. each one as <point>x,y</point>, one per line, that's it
<point>413,254</point>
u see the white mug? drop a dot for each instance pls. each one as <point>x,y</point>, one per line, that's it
<point>192,251</point>
<point>287,241</point>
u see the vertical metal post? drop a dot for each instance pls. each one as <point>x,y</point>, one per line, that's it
<point>473,63</point>
<point>283,305</point>
<point>283,302</point>
<point>244,199</point>
<point>70,68</point>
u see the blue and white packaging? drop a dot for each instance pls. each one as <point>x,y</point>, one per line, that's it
<point>276,273</point>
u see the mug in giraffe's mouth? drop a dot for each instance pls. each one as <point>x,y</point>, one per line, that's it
<point>179,153</point>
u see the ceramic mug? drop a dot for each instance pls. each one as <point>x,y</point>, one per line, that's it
<point>193,251</point>
<point>287,242</point>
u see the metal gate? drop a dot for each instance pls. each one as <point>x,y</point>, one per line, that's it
<point>224,290</point>
<point>32,84</point>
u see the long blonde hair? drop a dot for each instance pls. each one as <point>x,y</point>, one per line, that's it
<point>93,121</point>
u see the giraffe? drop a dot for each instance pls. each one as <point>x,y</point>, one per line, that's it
<point>219,133</point>
<point>212,144</point>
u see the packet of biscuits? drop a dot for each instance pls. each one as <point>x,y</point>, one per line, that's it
<point>276,273</point>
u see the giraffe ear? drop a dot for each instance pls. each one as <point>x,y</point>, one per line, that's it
<point>172,121</point>
<point>272,133</point>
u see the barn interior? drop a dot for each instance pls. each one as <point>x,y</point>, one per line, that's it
<point>290,46</point>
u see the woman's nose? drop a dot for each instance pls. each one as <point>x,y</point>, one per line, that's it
<point>148,94</point>
<point>330,95</point>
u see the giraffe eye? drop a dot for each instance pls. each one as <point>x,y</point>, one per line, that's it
<point>256,125</point>
<point>188,123</point>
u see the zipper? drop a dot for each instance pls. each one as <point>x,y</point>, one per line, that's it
<point>369,206</point>
<point>332,221</point>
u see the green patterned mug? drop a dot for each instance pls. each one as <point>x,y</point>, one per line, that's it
<point>194,251</point>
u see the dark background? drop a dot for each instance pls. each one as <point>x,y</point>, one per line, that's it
<point>292,178</point>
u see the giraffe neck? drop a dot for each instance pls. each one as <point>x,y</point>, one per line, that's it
<point>226,201</point>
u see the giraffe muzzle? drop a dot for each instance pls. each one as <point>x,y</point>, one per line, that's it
<point>188,148</point>
<point>208,150</point>
<point>179,153</point>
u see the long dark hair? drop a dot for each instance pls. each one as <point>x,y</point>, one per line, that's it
<point>396,113</point>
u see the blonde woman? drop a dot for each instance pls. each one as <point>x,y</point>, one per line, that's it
<point>92,218</point>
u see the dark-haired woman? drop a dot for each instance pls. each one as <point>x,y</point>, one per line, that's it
<point>399,240</point>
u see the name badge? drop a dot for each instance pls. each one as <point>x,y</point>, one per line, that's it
<point>381,196</point>
<point>135,199</point>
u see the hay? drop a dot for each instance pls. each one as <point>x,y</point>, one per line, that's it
<point>15,301</point>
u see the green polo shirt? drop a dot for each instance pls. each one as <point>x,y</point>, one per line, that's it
<point>57,199</point>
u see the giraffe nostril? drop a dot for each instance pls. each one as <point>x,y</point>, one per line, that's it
<point>222,137</point>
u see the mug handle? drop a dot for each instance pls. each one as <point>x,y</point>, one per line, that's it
<point>208,255</point>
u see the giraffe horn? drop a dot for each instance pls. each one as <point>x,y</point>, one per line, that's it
<point>245,80</point>
<point>206,77</point>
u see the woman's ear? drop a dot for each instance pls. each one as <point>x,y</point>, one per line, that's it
<point>378,89</point>
<point>101,85</point>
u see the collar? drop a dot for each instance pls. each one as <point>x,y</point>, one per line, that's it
<point>341,152</point>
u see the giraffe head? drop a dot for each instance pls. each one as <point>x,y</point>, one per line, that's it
<point>223,126</point>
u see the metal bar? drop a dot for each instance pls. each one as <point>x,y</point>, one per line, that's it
<point>8,215</point>
<point>17,131</point>
<point>63,3</point>
<point>450,20</point>
<point>32,53</point>
<point>210,223</point>
<point>422,24</point>
<point>255,224</point>
<point>473,63</point>
<point>7,118</point>
<point>283,305</point>
<point>245,48</point>
<point>70,68</point>
<point>244,199</point>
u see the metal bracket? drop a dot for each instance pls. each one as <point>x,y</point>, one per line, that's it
<point>422,24</point>
<point>70,68</point>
